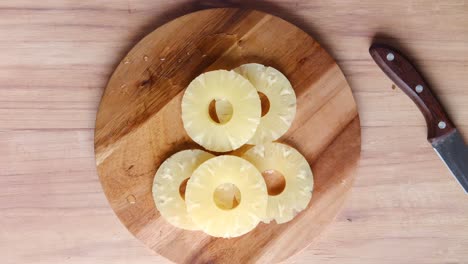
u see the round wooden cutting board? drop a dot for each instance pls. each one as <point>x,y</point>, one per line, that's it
<point>139,125</point>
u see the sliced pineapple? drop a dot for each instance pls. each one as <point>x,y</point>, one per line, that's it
<point>226,196</point>
<point>221,85</point>
<point>167,192</point>
<point>298,179</point>
<point>281,97</point>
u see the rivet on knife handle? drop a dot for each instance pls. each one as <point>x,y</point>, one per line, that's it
<point>405,76</point>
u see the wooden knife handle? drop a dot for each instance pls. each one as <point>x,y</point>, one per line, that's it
<point>404,75</point>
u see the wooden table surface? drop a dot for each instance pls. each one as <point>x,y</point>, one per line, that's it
<point>56,57</point>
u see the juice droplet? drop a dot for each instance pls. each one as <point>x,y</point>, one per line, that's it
<point>179,60</point>
<point>204,55</point>
<point>131,199</point>
<point>123,85</point>
<point>162,59</point>
<point>145,58</point>
<point>126,61</point>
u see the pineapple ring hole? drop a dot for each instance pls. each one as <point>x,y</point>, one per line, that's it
<point>265,103</point>
<point>220,111</point>
<point>275,182</point>
<point>182,188</point>
<point>227,196</point>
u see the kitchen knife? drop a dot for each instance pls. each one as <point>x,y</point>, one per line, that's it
<point>441,132</point>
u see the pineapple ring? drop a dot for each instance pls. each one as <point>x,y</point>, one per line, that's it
<point>221,85</point>
<point>205,211</point>
<point>297,175</point>
<point>281,96</point>
<point>167,181</point>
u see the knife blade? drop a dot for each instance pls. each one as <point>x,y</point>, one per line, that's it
<point>441,132</point>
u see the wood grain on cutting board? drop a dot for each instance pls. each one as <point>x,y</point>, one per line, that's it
<point>139,125</point>
<point>57,57</point>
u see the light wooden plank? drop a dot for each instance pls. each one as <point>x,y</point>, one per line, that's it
<point>57,56</point>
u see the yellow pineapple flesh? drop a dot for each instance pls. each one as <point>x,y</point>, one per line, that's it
<point>281,98</point>
<point>298,179</point>
<point>225,86</point>
<point>244,204</point>
<point>167,186</point>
